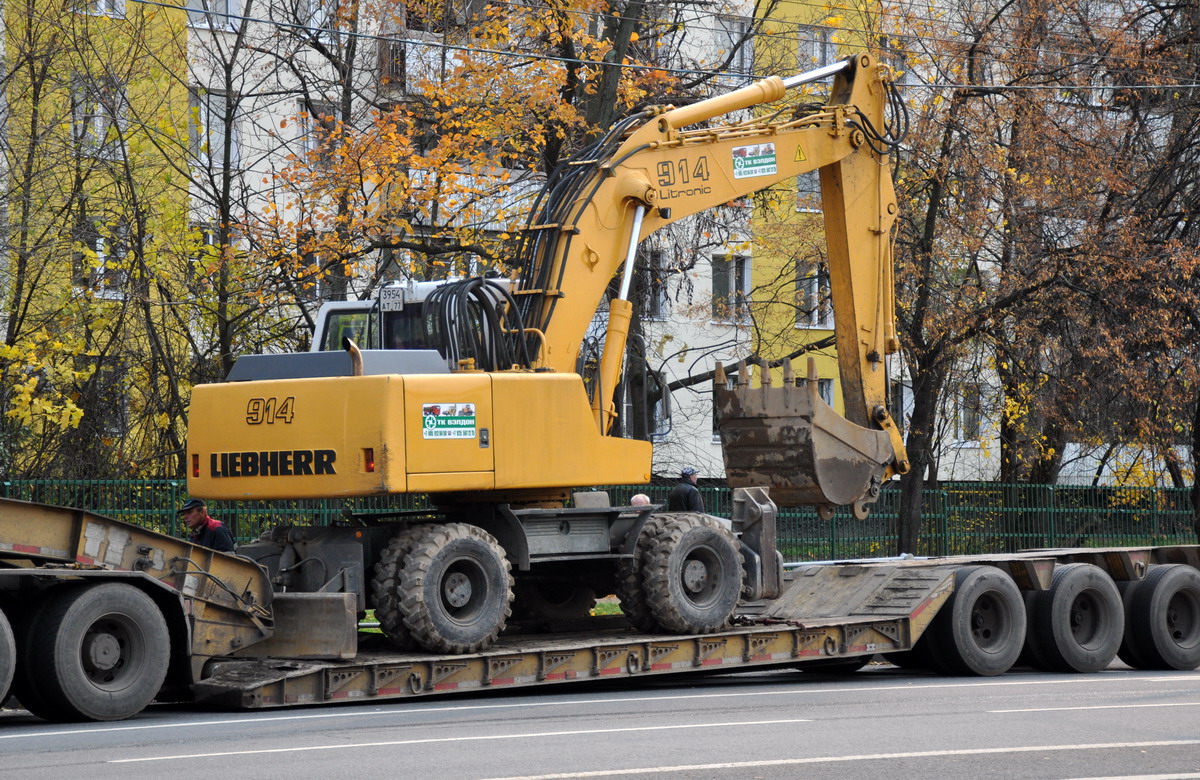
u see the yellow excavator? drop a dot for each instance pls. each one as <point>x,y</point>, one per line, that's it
<point>474,393</point>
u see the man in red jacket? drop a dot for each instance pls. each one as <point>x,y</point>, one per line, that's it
<point>205,530</point>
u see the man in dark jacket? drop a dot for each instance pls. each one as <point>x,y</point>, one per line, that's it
<point>205,530</point>
<point>685,497</point>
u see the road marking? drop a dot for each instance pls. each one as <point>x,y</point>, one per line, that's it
<point>1146,777</point>
<point>916,684</point>
<point>650,770</point>
<point>1102,707</point>
<point>478,738</point>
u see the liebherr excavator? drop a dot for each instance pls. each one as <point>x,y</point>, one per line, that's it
<point>486,411</point>
<point>482,405</point>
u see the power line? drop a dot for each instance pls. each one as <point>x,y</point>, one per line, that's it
<point>542,57</point>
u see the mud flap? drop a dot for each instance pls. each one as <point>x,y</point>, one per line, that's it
<point>788,439</point>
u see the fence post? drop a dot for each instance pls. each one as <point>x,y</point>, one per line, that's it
<point>1053,509</point>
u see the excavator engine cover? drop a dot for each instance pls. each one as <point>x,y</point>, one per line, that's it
<point>789,439</point>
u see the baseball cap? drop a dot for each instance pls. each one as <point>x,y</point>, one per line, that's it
<point>189,505</point>
<point>688,471</point>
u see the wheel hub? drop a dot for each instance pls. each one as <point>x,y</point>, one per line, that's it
<point>457,589</point>
<point>102,651</point>
<point>695,576</point>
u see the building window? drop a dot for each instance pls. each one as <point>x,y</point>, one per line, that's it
<point>214,14</point>
<point>814,308</point>
<point>816,47</point>
<point>825,390</point>
<point>730,287</point>
<point>320,125</point>
<point>211,128</point>
<point>100,116</point>
<point>808,191</point>
<point>100,263</point>
<point>896,403</point>
<point>113,8</point>
<point>653,284</point>
<point>735,44</point>
<point>393,68</point>
<point>971,413</point>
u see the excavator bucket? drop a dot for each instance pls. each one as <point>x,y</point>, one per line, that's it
<point>789,440</point>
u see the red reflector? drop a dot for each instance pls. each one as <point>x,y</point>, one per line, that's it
<point>369,459</point>
<point>195,465</point>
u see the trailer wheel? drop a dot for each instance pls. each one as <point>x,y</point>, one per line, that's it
<point>1165,619</point>
<point>8,656</point>
<point>1076,625</point>
<point>629,587</point>
<point>456,589</point>
<point>385,586</point>
<point>1128,651</point>
<point>101,652</point>
<point>981,628</point>
<point>692,575</point>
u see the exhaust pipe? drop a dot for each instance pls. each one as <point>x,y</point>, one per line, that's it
<point>356,362</point>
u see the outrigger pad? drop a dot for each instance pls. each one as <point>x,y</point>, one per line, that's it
<point>788,439</point>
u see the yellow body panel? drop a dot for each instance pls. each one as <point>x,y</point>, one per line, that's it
<point>345,415</point>
<point>429,433</point>
<point>546,436</point>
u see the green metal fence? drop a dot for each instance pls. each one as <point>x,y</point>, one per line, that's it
<point>957,519</point>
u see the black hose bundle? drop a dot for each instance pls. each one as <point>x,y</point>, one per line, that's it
<point>476,319</point>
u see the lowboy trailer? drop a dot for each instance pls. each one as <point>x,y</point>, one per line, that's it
<point>99,617</point>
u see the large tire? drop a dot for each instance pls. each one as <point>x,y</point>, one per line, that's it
<point>1076,625</point>
<point>8,656</point>
<point>1164,620</point>
<point>1129,651</point>
<point>981,628</point>
<point>386,585</point>
<point>100,652</point>
<point>629,578</point>
<point>456,589</point>
<point>692,575</point>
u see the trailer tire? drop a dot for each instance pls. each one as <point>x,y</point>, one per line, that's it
<point>981,629</point>
<point>629,589</point>
<point>1128,651</point>
<point>102,653</point>
<point>1076,625</point>
<point>1165,619</point>
<point>457,589</point>
<point>692,575</point>
<point>386,588</point>
<point>8,656</point>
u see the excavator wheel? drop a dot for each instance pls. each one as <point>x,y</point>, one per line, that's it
<point>385,587</point>
<point>692,574</point>
<point>629,578</point>
<point>456,588</point>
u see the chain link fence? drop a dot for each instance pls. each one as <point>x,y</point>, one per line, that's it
<point>959,518</point>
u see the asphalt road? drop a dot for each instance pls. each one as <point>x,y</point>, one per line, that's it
<point>881,722</point>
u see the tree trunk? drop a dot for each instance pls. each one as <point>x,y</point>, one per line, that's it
<point>927,387</point>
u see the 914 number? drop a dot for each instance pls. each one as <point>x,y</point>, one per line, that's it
<point>270,410</point>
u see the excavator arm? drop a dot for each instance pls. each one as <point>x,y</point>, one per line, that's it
<point>655,169</point>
